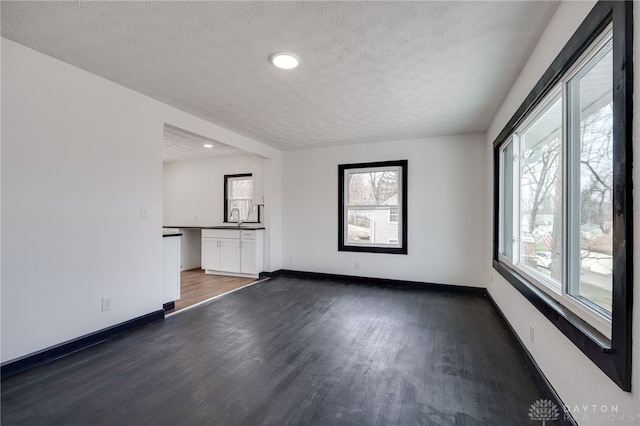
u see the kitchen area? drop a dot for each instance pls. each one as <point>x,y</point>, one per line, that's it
<point>213,210</point>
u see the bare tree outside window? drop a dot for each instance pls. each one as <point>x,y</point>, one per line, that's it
<point>372,195</point>
<point>541,200</point>
<point>592,89</point>
<point>239,199</point>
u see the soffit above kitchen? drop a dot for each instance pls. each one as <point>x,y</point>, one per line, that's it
<point>368,71</point>
<point>182,145</point>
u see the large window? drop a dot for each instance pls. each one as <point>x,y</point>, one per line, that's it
<point>373,207</point>
<point>238,199</point>
<point>563,202</point>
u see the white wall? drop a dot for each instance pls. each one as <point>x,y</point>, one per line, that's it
<point>273,213</point>
<point>446,212</point>
<point>190,249</point>
<point>80,155</point>
<point>577,380</point>
<point>194,190</point>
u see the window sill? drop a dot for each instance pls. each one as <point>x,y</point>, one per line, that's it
<point>570,324</point>
<point>243,222</point>
<point>593,344</point>
<point>364,249</point>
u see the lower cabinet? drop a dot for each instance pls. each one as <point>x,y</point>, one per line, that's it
<point>252,252</point>
<point>210,253</point>
<point>232,252</point>
<point>171,269</point>
<point>248,256</point>
<point>229,255</point>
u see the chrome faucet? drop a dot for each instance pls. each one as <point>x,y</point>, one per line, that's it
<point>238,216</point>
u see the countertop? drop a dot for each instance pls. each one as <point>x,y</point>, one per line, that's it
<point>170,233</point>
<point>245,227</point>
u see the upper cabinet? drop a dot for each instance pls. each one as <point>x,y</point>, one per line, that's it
<point>258,185</point>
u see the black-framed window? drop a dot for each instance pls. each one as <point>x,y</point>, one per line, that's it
<point>370,195</point>
<point>238,199</point>
<point>562,185</point>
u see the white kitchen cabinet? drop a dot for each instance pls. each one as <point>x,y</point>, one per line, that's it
<point>258,185</point>
<point>233,251</point>
<point>171,268</point>
<point>211,253</point>
<point>252,251</point>
<point>248,256</point>
<point>221,250</point>
<point>229,255</point>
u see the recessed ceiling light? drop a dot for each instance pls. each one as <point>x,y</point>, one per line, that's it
<point>284,60</point>
<point>208,145</point>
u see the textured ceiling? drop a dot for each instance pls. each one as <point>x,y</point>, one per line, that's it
<point>182,145</point>
<point>369,71</point>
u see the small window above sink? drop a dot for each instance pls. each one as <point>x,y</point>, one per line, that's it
<point>238,199</point>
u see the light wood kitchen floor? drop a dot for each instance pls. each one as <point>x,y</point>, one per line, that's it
<point>196,287</point>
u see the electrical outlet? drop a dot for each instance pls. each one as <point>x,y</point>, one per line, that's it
<point>291,258</point>
<point>531,333</point>
<point>106,304</point>
<point>144,212</point>
<point>356,265</point>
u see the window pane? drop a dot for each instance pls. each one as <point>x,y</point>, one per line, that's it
<point>359,226</point>
<point>372,210</point>
<point>240,196</point>
<point>595,132</point>
<point>241,188</point>
<point>506,205</point>
<point>541,203</point>
<point>393,215</point>
<point>371,226</point>
<point>248,212</point>
<point>373,188</point>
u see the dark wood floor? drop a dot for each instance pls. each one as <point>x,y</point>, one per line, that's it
<point>293,352</point>
<point>196,287</point>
